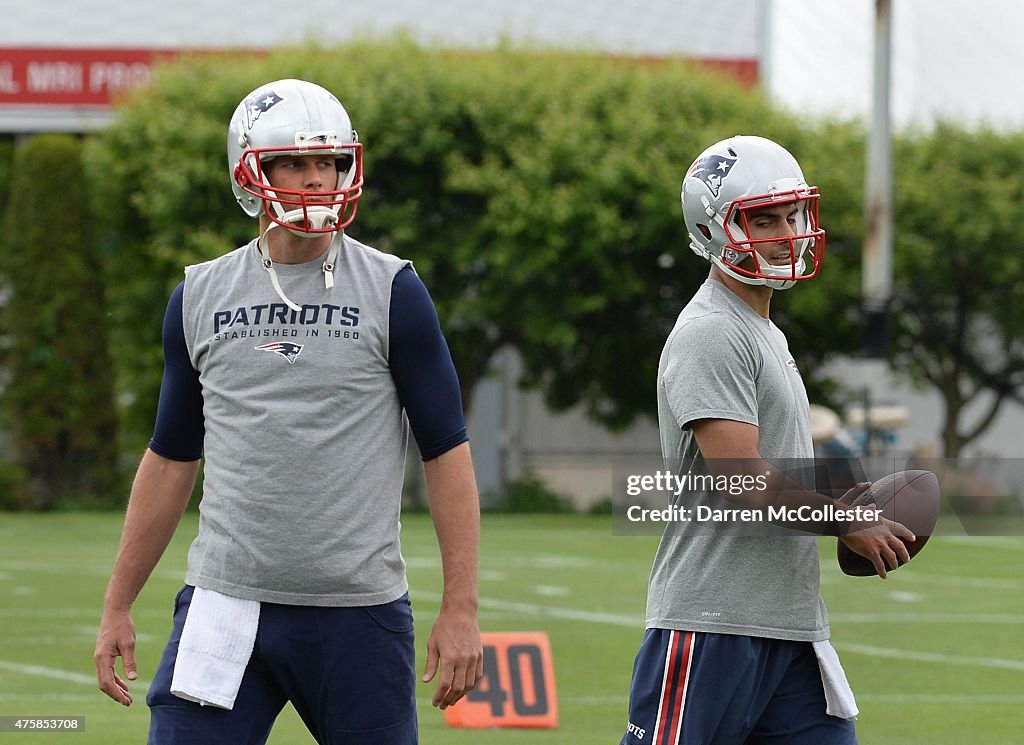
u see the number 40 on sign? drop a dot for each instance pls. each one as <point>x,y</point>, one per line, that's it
<point>517,688</point>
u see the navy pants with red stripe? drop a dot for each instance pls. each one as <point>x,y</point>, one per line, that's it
<point>692,688</point>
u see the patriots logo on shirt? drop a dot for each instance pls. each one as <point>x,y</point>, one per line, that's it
<point>260,103</point>
<point>712,170</point>
<point>286,349</point>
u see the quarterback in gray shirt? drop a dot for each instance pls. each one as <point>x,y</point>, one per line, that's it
<point>736,626</point>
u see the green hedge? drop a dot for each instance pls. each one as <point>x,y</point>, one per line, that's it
<point>536,192</point>
<point>58,398</point>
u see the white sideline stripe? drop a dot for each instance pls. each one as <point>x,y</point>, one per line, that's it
<point>52,612</point>
<point>56,674</point>
<point>581,615</point>
<point>943,698</point>
<point>532,609</point>
<point>987,541</point>
<point>831,576</point>
<point>47,672</point>
<point>552,591</point>
<point>946,659</point>
<point>538,561</point>
<point>993,618</point>
<point>74,612</point>
<point>902,596</point>
<point>985,583</point>
<point>18,566</point>
<point>37,698</point>
<point>636,622</point>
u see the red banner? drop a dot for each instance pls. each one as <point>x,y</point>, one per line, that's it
<point>95,77</point>
<point>73,77</point>
<point>745,71</point>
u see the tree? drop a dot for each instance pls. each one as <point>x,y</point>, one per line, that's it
<point>58,400</point>
<point>958,303</point>
<point>537,194</point>
<point>6,161</point>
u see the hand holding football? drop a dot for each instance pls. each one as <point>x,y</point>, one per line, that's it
<point>907,497</point>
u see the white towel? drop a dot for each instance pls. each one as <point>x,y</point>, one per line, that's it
<point>839,700</point>
<point>216,644</point>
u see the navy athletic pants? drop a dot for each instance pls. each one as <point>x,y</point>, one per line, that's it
<point>692,688</point>
<point>349,672</point>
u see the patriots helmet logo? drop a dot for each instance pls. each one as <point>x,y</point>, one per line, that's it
<point>286,349</point>
<point>712,170</point>
<point>260,103</point>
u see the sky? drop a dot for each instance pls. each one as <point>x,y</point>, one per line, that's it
<point>953,59</point>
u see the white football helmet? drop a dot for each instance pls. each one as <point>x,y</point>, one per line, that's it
<point>294,117</point>
<point>729,180</point>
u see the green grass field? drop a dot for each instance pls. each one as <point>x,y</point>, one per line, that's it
<point>935,654</point>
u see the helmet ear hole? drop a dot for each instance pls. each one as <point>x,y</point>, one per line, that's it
<point>705,230</point>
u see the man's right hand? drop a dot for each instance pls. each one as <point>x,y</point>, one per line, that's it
<point>880,543</point>
<point>116,639</point>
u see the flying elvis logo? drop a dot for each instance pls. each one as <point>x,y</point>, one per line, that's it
<point>712,170</point>
<point>286,349</point>
<point>260,103</point>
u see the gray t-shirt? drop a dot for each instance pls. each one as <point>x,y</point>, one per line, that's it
<point>305,435</point>
<point>724,361</point>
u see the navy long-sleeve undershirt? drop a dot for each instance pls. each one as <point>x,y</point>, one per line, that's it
<point>418,356</point>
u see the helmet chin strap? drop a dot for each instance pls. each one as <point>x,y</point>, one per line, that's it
<point>318,218</point>
<point>784,284</point>
<point>329,260</point>
<point>775,284</point>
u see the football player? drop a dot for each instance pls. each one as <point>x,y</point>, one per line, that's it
<point>736,646</point>
<point>294,367</point>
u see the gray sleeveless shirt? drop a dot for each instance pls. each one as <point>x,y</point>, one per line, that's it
<point>305,436</point>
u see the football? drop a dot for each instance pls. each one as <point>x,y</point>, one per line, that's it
<point>908,497</point>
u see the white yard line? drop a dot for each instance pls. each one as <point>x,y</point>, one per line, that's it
<point>637,622</point>
<point>924,617</point>
<point>942,698</point>
<point>945,659</point>
<point>1009,543</point>
<point>546,611</point>
<point>983,583</point>
<point>57,674</point>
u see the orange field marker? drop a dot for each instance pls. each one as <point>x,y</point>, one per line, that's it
<point>518,687</point>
